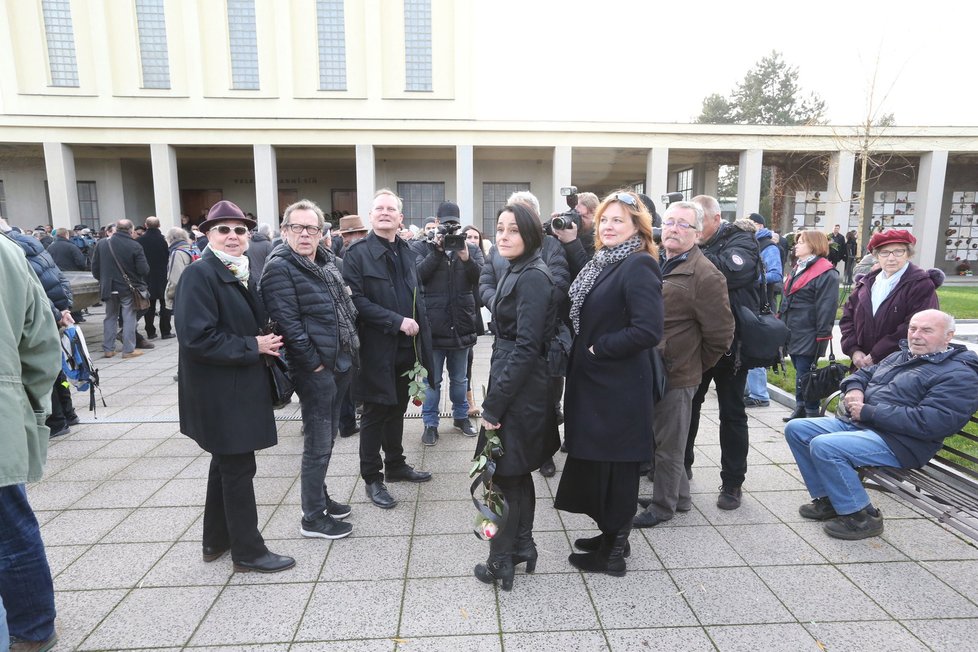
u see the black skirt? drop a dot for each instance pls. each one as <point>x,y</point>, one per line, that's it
<point>605,491</point>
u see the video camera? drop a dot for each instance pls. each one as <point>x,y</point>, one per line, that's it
<point>450,239</point>
<point>562,222</point>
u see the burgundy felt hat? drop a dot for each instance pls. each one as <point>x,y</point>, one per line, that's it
<point>892,236</point>
<point>223,211</point>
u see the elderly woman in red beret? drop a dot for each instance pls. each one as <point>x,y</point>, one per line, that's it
<point>878,312</point>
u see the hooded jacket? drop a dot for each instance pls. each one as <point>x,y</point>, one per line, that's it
<point>880,335</point>
<point>56,286</point>
<point>913,403</point>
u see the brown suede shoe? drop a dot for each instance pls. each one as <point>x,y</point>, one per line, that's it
<point>132,354</point>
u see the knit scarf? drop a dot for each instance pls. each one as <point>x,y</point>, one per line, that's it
<point>237,265</point>
<point>582,285</point>
<point>346,312</point>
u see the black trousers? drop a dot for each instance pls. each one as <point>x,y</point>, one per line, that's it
<point>348,406</point>
<point>734,439</point>
<point>382,426</point>
<point>230,512</point>
<point>150,317</point>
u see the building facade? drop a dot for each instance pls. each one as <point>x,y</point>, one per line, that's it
<point>129,108</point>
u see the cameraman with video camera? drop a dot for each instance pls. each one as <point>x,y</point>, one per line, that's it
<point>575,228</point>
<point>448,267</point>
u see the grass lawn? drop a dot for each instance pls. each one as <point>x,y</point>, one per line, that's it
<point>958,300</point>
<point>786,381</point>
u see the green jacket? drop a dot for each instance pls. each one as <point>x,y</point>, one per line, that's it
<point>30,358</point>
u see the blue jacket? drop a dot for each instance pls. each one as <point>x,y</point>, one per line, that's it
<point>55,285</point>
<point>914,403</point>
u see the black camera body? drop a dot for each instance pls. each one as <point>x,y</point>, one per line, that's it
<point>563,222</point>
<point>450,238</point>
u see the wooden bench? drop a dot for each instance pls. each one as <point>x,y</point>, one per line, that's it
<point>944,487</point>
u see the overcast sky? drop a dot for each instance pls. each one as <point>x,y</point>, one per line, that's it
<point>655,61</point>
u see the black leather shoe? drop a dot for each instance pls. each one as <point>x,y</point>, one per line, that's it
<point>819,509</point>
<point>151,336</point>
<point>379,496</point>
<point>548,469</point>
<point>646,519</point>
<point>267,563</point>
<point>167,336</point>
<point>645,502</point>
<point>73,420</point>
<point>799,413</point>
<point>407,474</point>
<point>350,433</point>
<point>213,553</point>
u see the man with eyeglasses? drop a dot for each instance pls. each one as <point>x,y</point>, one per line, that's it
<point>305,294</point>
<point>697,331</point>
<point>876,315</point>
<point>381,270</point>
<point>733,251</point>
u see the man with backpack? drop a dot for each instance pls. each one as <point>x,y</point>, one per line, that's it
<point>767,244</point>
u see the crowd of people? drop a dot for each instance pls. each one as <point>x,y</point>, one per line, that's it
<point>638,314</point>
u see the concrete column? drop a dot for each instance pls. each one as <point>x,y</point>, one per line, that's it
<point>59,163</point>
<point>465,182</point>
<point>841,165</point>
<point>166,185</point>
<point>749,182</point>
<point>366,181</point>
<point>266,185</point>
<point>711,179</point>
<point>563,173</point>
<point>930,199</point>
<point>657,174</point>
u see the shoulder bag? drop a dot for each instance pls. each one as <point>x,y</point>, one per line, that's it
<point>140,295</point>
<point>821,382</point>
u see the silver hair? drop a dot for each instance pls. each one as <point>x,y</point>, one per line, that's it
<point>710,205</point>
<point>265,229</point>
<point>526,198</point>
<point>304,205</point>
<point>697,212</point>
<point>177,234</point>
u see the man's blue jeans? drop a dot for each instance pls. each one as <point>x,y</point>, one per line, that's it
<point>25,577</point>
<point>457,361</point>
<point>828,450</point>
<point>757,383</point>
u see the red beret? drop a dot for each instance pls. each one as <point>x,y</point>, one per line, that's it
<point>891,236</point>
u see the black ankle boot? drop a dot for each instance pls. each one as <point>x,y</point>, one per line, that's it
<point>608,559</point>
<point>593,544</point>
<point>797,414</point>
<point>497,568</point>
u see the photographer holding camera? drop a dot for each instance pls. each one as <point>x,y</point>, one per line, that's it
<point>448,267</point>
<point>575,228</point>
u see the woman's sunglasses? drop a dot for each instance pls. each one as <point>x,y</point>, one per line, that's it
<point>224,229</point>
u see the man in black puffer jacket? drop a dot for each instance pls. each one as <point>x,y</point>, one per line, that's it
<point>734,252</point>
<point>304,293</point>
<point>448,277</point>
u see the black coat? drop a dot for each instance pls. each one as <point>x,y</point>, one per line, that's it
<point>131,258</point>
<point>158,257</point>
<point>448,295</point>
<point>67,256</point>
<point>734,252</point>
<point>809,309</point>
<point>372,287</point>
<point>300,302</point>
<point>521,396</point>
<point>553,257</point>
<point>608,402</point>
<point>224,394</point>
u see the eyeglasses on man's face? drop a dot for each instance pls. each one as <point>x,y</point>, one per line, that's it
<point>224,229</point>
<point>887,253</point>
<point>673,224</point>
<point>311,229</point>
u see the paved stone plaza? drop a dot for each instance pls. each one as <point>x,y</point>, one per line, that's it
<point>122,499</point>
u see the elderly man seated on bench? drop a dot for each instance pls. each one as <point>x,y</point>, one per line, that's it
<point>899,412</point>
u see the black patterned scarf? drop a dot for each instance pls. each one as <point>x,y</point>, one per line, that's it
<point>582,285</point>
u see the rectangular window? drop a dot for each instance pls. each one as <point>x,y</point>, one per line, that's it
<point>151,23</point>
<point>684,183</point>
<point>417,45</point>
<point>332,45</point>
<point>494,196</point>
<point>88,204</point>
<point>420,199</point>
<point>243,41</point>
<point>61,42</point>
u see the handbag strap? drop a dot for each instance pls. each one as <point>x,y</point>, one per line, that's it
<point>125,277</point>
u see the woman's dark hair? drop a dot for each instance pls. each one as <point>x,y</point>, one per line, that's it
<point>466,229</point>
<point>530,228</point>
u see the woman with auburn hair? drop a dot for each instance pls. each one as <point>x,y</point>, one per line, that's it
<point>811,297</point>
<point>617,315</point>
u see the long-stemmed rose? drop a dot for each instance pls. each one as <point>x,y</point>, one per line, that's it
<point>417,374</point>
